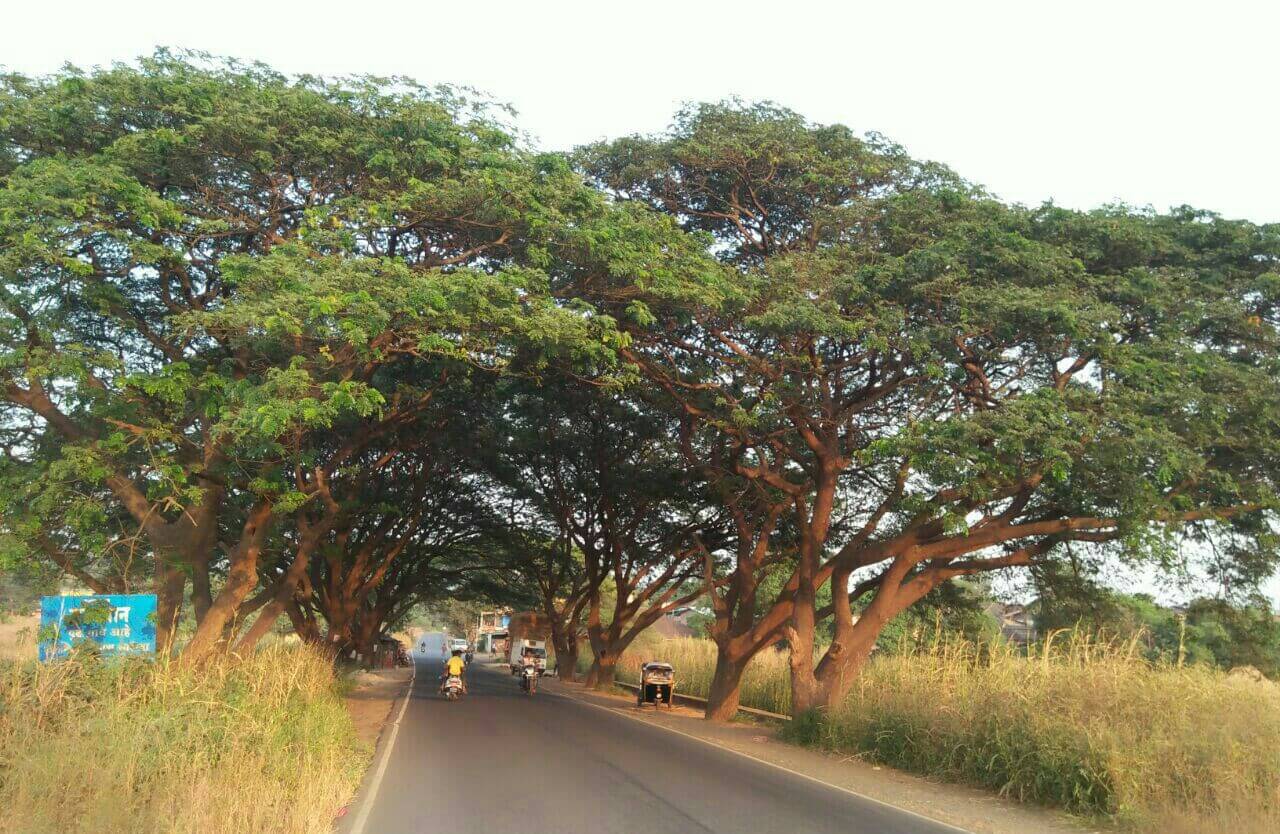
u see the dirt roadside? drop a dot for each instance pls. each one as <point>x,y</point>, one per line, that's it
<point>370,700</point>
<point>974,810</point>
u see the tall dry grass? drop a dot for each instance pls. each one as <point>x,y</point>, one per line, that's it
<point>1083,725</point>
<point>765,685</point>
<point>260,744</point>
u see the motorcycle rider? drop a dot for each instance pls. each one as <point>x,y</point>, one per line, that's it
<point>527,659</point>
<point>455,666</point>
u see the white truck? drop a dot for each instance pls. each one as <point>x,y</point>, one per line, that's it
<point>527,634</point>
<point>537,649</point>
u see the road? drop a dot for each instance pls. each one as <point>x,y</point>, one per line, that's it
<point>499,761</point>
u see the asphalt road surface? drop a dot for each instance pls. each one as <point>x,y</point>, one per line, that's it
<point>499,761</point>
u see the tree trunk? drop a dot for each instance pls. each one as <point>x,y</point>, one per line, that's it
<point>366,637</point>
<point>340,632</point>
<point>806,691</point>
<point>266,619</point>
<point>607,646</point>
<point>849,652</point>
<point>284,592</point>
<point>242,578</point>
<point>726,686</point>
<point>188,542</point>
<point>567,663</point>
<point>201,590</point>
<point>306,627</point>
<point>566,646</point>
<point>595,635</point>
<point>170,582</point>
<point>600,676</point>
<point>593,674</point>
<point>837,674</point>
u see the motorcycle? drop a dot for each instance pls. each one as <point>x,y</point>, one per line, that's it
<point>529,680</point>
<point>453,688</point>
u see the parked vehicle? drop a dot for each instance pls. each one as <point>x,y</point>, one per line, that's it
<point>453,688</point>
<point>459,644</point>
<point>529,680</point>
<point>387,653</point>
<point>402,655</point>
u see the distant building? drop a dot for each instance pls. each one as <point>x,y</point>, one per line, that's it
<point>1016,623</point>
<point>675,624</point>
<point>491,621</point>
<point>491,633</point>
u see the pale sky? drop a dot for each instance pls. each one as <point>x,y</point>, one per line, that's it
<point>1082,102</point>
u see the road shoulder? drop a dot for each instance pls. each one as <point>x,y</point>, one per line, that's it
<point>973,810</point>
<point>371,698</point>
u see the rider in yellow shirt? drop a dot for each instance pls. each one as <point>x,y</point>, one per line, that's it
<point>455,665</point>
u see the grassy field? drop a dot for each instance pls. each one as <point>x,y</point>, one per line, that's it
<point>262,744</point>
<point>1081,725</point>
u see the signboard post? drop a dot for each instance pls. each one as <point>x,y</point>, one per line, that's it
<point>115,623</point>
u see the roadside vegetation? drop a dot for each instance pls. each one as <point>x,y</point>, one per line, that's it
<point>288,349</point>
<point>1088,726</point>
<point>260,745</point>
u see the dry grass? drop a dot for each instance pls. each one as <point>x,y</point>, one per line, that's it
<point>1082,725</point>
<point>262,744</point>
<point>766,684</point>
<point>18,636</point>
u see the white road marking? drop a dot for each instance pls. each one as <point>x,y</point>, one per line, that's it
<point>366,803</point>
<point>620,713</point>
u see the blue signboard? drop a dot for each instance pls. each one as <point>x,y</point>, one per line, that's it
<point>115,623</point>
<point>506,620</point>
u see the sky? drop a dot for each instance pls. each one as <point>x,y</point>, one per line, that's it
<point>1084,103</point>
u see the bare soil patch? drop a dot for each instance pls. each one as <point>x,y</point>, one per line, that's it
<point>370,700</point>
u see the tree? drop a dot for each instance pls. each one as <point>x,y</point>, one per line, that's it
<point>894,380</point>
<point>1210,630</point>
<point>545,562</point>
<point>161,222</point>
<point>410,529</point>
<point>601,475</point>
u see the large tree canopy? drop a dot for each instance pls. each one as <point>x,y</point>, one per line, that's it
<point>332,348</point>
<point>208,267</point>
<point>897,380</point>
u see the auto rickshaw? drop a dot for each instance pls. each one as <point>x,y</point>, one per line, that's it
<point>657,683</point>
